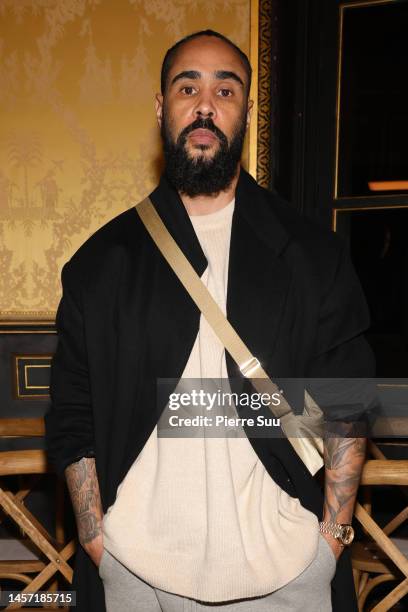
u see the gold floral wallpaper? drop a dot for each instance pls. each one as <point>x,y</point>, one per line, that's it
<point>78,136</point>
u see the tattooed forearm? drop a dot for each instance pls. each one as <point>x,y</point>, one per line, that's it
<point>83,487</point>
<point>343,459</point>
<point>337,451</point>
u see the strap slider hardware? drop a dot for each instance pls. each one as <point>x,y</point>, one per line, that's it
<point>249,366</point>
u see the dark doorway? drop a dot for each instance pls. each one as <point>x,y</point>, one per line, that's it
<point>338,140</point>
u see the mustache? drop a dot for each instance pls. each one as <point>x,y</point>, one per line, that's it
<point>203,124</point>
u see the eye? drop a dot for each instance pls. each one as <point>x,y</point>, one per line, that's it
<point>188,90</point>
<point>225,93</point>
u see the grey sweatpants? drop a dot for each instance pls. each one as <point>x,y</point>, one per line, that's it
<point>308,592</point>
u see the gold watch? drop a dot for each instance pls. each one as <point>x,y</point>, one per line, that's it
<point>341,532</point>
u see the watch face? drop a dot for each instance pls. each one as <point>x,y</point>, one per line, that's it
<point>347,534</point>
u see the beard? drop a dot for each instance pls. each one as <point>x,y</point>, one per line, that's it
<point>202,175</point>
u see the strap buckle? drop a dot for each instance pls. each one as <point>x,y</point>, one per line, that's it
<point>249,366</point>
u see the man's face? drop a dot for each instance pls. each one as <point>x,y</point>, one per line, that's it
<point>203,115</point>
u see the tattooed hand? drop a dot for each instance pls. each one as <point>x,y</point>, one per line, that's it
<point>343,459</point>
<point>83,486</point>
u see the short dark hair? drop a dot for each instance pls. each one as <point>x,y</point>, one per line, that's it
<point>170,54</point>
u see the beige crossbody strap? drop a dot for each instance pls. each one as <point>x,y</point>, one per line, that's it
<point>248,364</point>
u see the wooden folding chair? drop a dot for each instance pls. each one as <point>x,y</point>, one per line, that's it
<point>377,559</point>
<point>53,553</point>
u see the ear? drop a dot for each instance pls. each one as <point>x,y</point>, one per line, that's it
<point>159,108</point>
<point>249,112</point>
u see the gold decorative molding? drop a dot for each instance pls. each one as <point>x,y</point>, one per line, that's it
<point>27,317</point>
<point>24,331</point>
<point>263,172</point>
<point>24,389</point>
<point>253,58</point>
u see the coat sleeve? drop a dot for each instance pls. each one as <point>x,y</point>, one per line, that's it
<point>342,369</point>
<point>69,422</point>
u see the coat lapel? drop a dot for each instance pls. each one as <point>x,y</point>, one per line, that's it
<point>173,316</point>
<point>257,279</point>
<point>175,217</point>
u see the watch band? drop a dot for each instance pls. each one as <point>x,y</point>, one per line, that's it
<point>331,528</point>
<point>337,530</point>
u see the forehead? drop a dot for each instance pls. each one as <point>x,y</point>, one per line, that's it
<point>207,54</point>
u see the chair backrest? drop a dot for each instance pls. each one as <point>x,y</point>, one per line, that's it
<point>385,472</point>
<point>18,462</point>
<point>22,428</point>
<point>25,463</point>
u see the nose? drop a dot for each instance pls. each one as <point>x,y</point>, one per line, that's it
<point>205,107</point>
<point>203,115</point>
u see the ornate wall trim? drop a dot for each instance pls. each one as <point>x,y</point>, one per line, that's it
<point>263,170</point>
<point>253,94</point>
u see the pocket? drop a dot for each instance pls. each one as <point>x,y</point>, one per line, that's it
<point>101,562</point>
<point>330,553</point>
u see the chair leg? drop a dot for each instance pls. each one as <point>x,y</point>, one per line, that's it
<point>52,589</point>
<point>370,586</point>
<point>392,598</point>
<point>18,514</point>
<point>356,576</point>
<point>363,581</point>
<point>15,576</point>
<point>390,549</point>
<point>47,573</point>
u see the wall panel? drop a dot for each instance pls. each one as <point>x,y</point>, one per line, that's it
<point>78,136</point>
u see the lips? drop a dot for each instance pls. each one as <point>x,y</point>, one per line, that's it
<point>203,136</point>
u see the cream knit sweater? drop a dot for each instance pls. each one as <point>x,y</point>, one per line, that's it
<point>200,516</point>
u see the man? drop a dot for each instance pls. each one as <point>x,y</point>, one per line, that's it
<point>200,524</point>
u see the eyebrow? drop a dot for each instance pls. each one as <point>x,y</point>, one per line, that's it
<point>219,74</point>
<point>186,74</point>
<point>227,74</point>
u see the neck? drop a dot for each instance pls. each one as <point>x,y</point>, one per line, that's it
<point>207,204</point>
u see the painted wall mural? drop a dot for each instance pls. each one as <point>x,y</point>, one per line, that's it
<point>78,137</point>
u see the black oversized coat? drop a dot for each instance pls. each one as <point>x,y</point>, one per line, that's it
<point>125,320</point>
